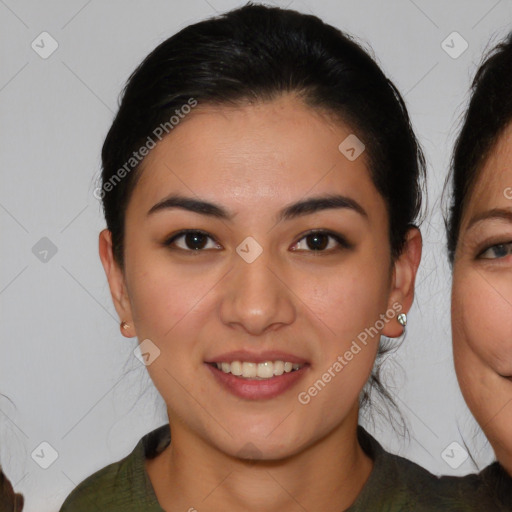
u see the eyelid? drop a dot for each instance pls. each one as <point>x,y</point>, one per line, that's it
<point>485,235</point>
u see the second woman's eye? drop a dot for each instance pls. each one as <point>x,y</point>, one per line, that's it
<point>191,240</point>
<point>496,251</point>
<point>318,241</point>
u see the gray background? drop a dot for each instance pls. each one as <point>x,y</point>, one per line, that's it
<point>72,378</point>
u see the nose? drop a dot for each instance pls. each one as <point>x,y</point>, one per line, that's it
<point>256,297</point>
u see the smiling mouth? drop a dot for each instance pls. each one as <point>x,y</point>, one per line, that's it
<point>257,371</point>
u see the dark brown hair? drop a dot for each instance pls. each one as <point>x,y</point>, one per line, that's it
<point>488,114</point>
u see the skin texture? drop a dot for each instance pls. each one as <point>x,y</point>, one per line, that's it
<point>254,160</point>
<point>482,301</point>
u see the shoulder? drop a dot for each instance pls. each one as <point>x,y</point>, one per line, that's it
<point>388,467</point>
<point>498,483</point>
<point>398,484</point>
<point>107,489</point>
<point>122,486</point>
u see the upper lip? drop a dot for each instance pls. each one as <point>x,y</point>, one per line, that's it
<point>256,357</point>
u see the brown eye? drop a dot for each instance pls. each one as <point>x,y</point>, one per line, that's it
<point>191,240</point>
<point>319,241</point>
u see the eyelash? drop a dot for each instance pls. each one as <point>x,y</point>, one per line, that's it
<point>342,242</point>
<point>488,247</point>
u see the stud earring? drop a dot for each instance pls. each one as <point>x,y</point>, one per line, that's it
<point>124,325</point>
<point>402,319</point>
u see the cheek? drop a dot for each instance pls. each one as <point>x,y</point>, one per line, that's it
<point>349,303</point>
<point>482,338</point>
<point>482,319</point>
<point>349,292</point>
<point>163,295</point>
<point>355,302</point>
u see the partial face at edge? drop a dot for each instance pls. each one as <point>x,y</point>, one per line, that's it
<point>305,296</point>
<point>482,301</point>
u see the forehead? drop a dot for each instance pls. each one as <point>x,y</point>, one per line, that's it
<point>495,177</point>
<point>274,151</point>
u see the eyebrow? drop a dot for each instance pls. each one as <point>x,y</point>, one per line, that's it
<point>292,211</point>
<point>495,213</point>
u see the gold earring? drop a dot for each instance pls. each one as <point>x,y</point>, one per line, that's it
<point>124,325</point>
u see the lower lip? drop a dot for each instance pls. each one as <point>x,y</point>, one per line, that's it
<point>253,389</point>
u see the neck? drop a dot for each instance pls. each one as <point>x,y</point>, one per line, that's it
<point>327,475</point>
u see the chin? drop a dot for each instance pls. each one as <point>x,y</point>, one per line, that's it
<point>253,448</point>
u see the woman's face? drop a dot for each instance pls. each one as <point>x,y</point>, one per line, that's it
<point>257,284</point>
<point>482,300</point>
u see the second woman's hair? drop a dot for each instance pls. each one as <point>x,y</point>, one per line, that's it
<point>488,114</point>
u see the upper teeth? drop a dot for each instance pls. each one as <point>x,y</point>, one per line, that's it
<point>264,370</point>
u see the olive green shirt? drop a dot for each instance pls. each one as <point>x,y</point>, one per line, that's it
<point>394,485</point>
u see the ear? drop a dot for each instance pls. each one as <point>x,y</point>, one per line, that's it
<point>116,283</point>
<point>402,281</point>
